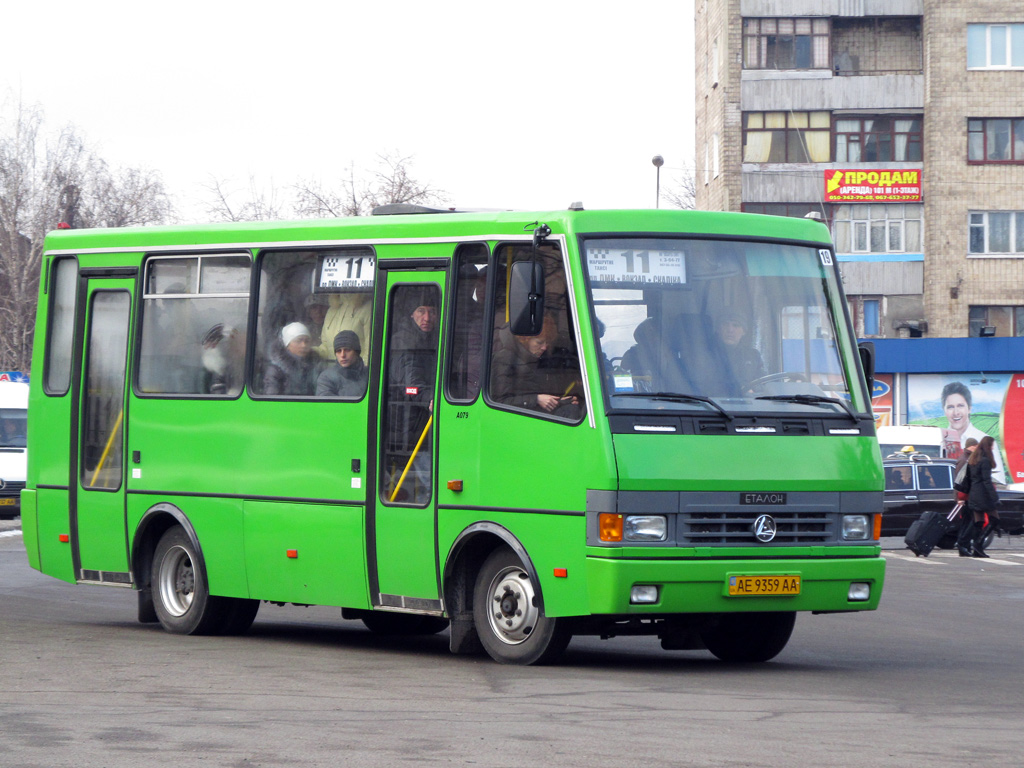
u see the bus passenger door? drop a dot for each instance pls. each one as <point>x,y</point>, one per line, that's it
<point>402,524</point>
<point>98,527</point>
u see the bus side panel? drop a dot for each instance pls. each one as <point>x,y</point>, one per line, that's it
<point>218,526</point>
<point>306,553</point>
<point>51,523</point>
<point>547,539</point>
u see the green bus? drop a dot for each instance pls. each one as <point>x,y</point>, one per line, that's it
<point>517,426</point>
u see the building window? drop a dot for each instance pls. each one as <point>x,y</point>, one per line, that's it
<point>1006,321</point>
<point>786,137</point>
<point>995,140</point>
<point>995,46</point>
<point>877,228</point>
<point>878,139</point>
<point>996,232</point>
<point>786,44</point>
<point>871,324</point>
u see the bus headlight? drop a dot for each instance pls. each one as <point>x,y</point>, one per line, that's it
<point>646,594</point>
<point>645,528</point>
<point>859,592</point>
<point>856,527</point>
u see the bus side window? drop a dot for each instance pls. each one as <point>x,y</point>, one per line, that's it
<point>314,320</point>
<point>466,358</point>
<point>194,316</point>
<point>536,373</point>
<point>64,291</point>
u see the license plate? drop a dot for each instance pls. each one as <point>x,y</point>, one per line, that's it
<point>7,502</point>
<point>762,586</point>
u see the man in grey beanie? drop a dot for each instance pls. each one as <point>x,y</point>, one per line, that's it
<point>348,377</point>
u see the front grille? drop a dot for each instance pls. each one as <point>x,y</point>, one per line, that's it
<point>737,528</point>
<point>11,488</point>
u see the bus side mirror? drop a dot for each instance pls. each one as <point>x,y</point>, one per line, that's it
<point>867,362</point>
<point>526,298</point>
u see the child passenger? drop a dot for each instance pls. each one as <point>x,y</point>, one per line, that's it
<point>348,377</point>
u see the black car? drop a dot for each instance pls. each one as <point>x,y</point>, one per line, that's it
<point>915,483</point>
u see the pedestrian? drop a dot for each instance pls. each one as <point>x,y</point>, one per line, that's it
<point>961,479</point>
<point>982,497</point>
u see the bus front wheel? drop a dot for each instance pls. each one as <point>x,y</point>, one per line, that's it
<point>507,614</point>
<point>181,598</point>
<point>748,637</point>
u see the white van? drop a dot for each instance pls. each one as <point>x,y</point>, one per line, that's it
<point>13,455</point>
<point>926,440</point>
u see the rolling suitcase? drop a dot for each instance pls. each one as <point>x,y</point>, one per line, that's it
<point>925,532</point>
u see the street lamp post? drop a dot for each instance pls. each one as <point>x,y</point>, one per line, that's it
<point>658,161</point>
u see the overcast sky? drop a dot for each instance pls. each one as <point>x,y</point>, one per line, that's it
<point>502,105</point>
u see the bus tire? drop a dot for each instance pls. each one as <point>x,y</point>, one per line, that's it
<point>748,637</point>
<point>507,614</point>
<point>239,614</point>
<point>181,598</point>
<point>386,623</point>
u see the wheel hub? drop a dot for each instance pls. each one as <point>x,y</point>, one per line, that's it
<point>512,614</point>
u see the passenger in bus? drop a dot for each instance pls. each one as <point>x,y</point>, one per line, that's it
<point>519,379</point>
<point>316,311</point>
<point>642,359</point>
<point>292,366</point>
<point>223,359</point>
<point>414,349</point>
<point>348,377</point>
<point>739,363</point>
<point>345,312</point>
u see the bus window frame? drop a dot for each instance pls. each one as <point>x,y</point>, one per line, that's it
<point>572,310</point>
<point>451,291</point>
<point>138,324</point>
<point>254,316</point>
<point>51,300</point>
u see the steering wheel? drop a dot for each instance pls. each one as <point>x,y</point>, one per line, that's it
<point>781,376</point>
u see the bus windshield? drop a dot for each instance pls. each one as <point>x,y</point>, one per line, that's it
<point>724,326</point>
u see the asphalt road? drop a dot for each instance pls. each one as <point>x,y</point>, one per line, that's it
<point>933,678</point>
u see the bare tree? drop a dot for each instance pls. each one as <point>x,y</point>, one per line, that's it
<point>682,191</point>
<point>390,182</point>
<point>257,203</point>
<point>43,182</point>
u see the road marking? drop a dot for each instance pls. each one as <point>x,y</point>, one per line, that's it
<point>7,534</point>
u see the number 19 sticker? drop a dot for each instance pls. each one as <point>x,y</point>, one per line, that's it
<point>826,256</point>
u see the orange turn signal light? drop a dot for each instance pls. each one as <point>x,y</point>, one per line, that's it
<point>877,528</point>
<point>610,526</point>
<point>454,485</point>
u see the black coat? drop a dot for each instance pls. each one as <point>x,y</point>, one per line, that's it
<point>982,497</point>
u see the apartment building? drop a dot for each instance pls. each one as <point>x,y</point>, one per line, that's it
<point>901,124</point>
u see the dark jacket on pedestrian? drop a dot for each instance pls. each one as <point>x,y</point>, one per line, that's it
<point>982,496</point>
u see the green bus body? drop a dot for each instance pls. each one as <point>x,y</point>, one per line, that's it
<point>284,498</point>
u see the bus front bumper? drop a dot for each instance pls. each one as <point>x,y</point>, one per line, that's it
<point>616,585</point>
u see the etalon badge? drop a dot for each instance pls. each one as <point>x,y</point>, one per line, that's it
<point>764,528</point>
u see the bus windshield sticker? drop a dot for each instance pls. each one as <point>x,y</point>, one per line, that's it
<point>346,271</point>
<point>826,256</point>
<point>620,266</point>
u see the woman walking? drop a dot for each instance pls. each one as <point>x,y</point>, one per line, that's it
<point>982,497</point>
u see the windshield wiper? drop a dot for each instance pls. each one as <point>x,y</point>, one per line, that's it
<point>813,400</point>
<point>676,397</point>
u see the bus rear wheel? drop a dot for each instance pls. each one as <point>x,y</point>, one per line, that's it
<point>181,598</point>
<point>507,614</point>
<point>748,637</point>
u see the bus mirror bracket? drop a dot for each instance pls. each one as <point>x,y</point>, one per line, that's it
<point>867,362</point>
<point>526,290</point>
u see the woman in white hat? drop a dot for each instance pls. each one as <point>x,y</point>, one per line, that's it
<point>292,368</point>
